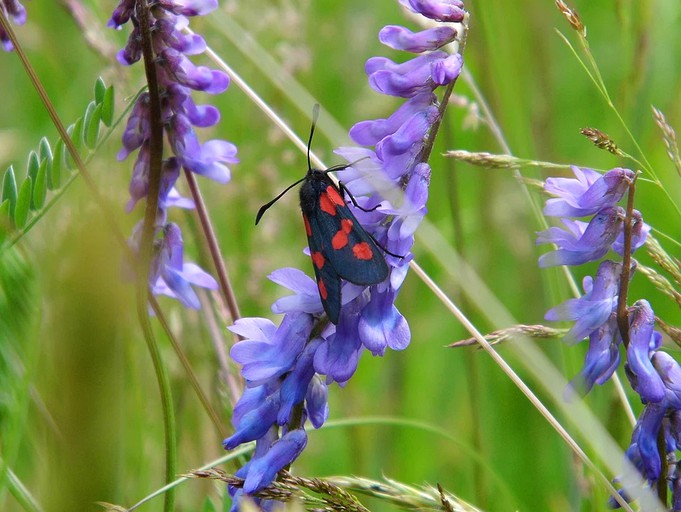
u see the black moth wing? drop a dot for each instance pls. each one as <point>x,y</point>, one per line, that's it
<point>328,280</point>
<point>339,236</point>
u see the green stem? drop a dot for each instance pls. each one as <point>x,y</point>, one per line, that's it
<point>147,244</point>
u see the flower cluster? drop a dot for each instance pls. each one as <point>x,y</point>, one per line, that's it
<point>11,9</point>
<point>656,377</point>
<point>653,374</point>
<point>288,368</point>
<point>177,77</point>
<point>597,195</point>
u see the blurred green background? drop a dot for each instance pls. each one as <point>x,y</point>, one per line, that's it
<point>80,414</point>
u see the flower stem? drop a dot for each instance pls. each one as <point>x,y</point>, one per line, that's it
<point>622,313</point>
<point>146,244</point>
<point>209,233</point>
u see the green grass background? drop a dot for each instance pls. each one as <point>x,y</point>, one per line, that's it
<point>80,414</point>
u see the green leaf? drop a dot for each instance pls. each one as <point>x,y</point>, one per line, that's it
<point>33,165</point>
<point>40,189</point>
<point>77,136</point>
<point>57,165</point>
<point>69,163</point>
<point>23,203</point>
<point>44,149</point>
<point>4,220</point>
<point>108,106</point>
<point>92,126</point>
<point>9,189</point>
<point>100,89</point>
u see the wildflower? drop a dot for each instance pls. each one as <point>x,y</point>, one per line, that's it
<point>14,10</point>
<point>656,376</point>
<point>590,192</point>
<point>294,376</point>
<point>177,77</point>
<point>601,360</point>
<point>171,276</point>
<point>592,309</point>
<point>582,242</point>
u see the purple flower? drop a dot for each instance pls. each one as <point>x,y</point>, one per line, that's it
<point>440,10</point>
<point>639,234</point>
<point>274,351</point>
<point>582,243</point>
<point>602,358</point>
<point>171,276</point>
<point>645,379</point>
<point>177,76</point>
<point>261,471</point>
<point>401,38</point>
<point>15,11</point>
<point>592,309</point>
<point>587,194</point>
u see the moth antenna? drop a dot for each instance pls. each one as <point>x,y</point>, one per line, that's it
<point>315,117</point>
<point>264,207</point>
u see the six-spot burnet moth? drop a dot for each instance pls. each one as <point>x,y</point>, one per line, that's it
<point>340,248</point>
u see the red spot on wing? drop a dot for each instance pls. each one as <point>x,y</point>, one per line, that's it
<point>340,239</point>
<point>308,229</point>
<point>362,251</point>
<point>326,205</point>
<point>322,290</point>
<point>334,196</point>
<point>330,199</point>
<point>318,259</point>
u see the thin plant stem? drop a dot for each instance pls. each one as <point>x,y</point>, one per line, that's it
<point>147,241</point>
<point>212,414</point>
<point>208,231</point>
<point>622,313</point>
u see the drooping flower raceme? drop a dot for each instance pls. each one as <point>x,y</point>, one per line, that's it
<point>288,368</point>
<point>177,77</point>
<point>11,10</point>
<point>653,374</point>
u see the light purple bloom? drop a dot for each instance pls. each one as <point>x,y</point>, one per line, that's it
<point>593,309</point>
<point>263,470</point>
<point>12,10</point>
<point>440,10</point>
<point>602,358</point>
<point>267,357</point>
<point>401,38</point>
<point>582,243</point>
<point>645,379</point>
<point>588,193</point>
<point>171,276</point>
<point>639,234</point>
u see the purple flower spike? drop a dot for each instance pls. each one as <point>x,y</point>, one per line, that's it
<point>11,10</point>
<point>587,194</point>
<point>391,187</point>
<point>647,382</point>
<point>576,246</point>
<point>401,38</point>
<point>177,75</point>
